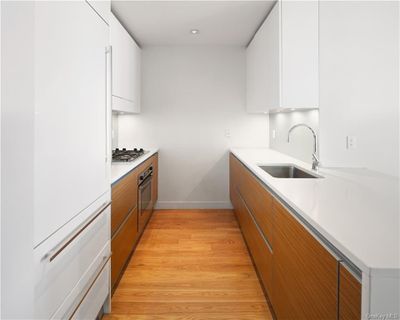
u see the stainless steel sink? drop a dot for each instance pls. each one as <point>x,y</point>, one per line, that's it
<point>288,172</point>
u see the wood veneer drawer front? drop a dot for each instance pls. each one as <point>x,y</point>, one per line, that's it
<point>145,165</point>
<point>234,173</point>
<point>154,191</point>
<point>349,295</point>
<point>261,253</point>
<point>124,199</point>
<point>305,281</point>
<point>122,245</point>
<point>257,198</point>
<point>259,202</point>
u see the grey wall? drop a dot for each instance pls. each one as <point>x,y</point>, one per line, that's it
<point>193,99</point>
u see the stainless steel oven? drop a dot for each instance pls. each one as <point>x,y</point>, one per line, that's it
<point>145,203</point>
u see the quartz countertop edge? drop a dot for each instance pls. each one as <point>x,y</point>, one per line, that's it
<point>350,195</point>
<point>121,169</point>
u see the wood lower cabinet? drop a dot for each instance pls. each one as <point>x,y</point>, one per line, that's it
<point>125,217</point>
<point>302,278</point>
<point>154,190</point>
<point>122,245</point>
<point>254,219</point>
<point>258,247</point>
<point>349,295</point>
<point>124,199</point>
<point>305,274</point>
<point>257,198</point>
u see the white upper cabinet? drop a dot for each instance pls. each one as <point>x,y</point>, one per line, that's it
<point>126,74</point>
<point>262,58</point>
<point>71,124</point>
<point>282,59</point>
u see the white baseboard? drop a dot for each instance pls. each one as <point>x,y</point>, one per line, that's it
<point>193,205</point>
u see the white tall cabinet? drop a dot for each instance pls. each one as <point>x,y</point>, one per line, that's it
<point>72,157</point>
<point>282,59</point>
<point>57,71</point>
<point>71,163</point>
<point>126,72</point>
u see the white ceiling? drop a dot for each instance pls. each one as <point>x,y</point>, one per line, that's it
<point>169,22</point>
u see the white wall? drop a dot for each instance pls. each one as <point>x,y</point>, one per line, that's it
<point>359,84</point>
<point>301,144</point>
<point>190,97</point>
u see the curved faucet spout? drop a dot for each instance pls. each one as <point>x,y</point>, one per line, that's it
<point>315,163</point>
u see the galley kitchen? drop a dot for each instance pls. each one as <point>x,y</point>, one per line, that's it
<point>226,159</point>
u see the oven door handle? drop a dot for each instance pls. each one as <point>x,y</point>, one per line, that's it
<point>145,182</point>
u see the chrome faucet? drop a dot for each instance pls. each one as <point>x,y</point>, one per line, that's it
<point>315,163</point>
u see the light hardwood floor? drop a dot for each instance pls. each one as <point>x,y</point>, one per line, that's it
<point>190,264</point>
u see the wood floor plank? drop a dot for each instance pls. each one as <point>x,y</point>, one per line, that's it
<point>190,265</point>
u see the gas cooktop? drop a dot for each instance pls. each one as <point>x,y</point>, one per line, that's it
<point>123,155</point>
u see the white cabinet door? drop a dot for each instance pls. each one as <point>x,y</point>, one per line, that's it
<point>282,59</point>
<point>299,44</point>
<point>125,69</point>
<point>262,58</point>
<point>71,168</point>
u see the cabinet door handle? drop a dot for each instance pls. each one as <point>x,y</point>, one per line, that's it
<point>108,53</point>
<point>52,254</point>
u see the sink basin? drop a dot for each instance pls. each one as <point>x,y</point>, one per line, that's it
<point>288,172</point>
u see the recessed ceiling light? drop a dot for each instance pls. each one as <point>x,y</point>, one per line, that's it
<point>194,31</point>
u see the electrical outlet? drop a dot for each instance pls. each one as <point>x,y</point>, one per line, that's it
<point>227,133</point>
<point>351,142</point>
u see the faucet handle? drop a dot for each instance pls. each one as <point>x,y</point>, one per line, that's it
<point>316,163</point>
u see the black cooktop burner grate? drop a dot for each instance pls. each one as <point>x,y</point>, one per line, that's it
<point>123,155</point>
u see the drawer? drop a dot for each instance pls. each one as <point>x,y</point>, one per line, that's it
<point>96,296</point>
<point>350,292</point>
<point>234,174</point>
<point>122,245</point>
<point>257,198</point>
<point>124,199</point>
<point>259,201</point>
<point>305,282</point>
<point>145,165</point>
<point>258,247</point>
<point>154,191</point>
<point>62,272</point>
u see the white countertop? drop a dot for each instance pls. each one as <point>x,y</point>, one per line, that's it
<point>356,210</point>
<point>120,169</point>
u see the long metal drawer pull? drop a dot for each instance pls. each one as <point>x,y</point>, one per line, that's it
<point>255,223</point>
<point>52,254</point>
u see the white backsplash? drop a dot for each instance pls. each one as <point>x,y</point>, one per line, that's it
<point>114,131</point>
<point>301,139</point>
